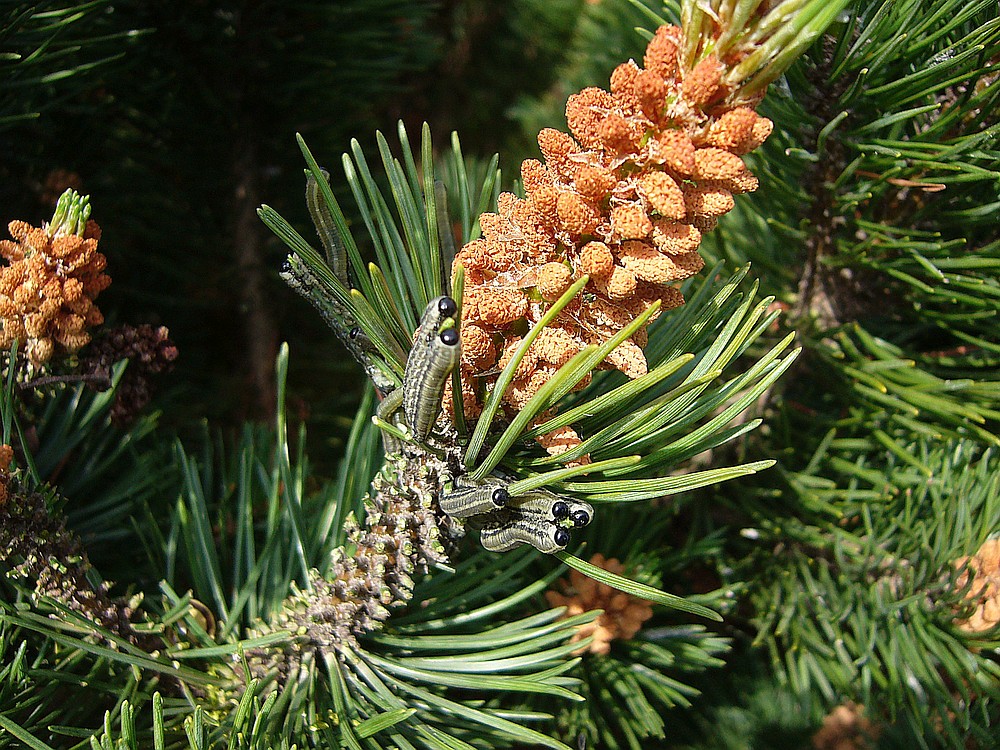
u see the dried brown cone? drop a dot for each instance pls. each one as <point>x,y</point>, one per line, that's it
<point>623,614</point>
<point>150,352</point>
<point>36,548</point>
<point>48,288</point>
<point>846,728</point>
<point>648,167</point>
<point>984,590</point>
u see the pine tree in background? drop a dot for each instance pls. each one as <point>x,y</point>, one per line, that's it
<point>857,579</point>
<point>875,229</point>
<point>888,199</point>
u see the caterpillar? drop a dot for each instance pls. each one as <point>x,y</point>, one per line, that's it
<point>538,518</point>
<point>554,506</point>
<point>434,355</point>
<point>333,244</point>
<point>298,276</point>
<point>474,500</point>
<point>515,529</point>
<point>438,310</point>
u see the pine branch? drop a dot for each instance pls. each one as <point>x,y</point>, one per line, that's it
<point>361,611</point>
<point>904,627</point>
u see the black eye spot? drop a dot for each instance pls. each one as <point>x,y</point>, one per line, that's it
<point>500,496</point>
<point>449,336</point>
<point>354,332</point>
<point>559,509</point>
<point>447,307</point>
<point>286,265</point>
<point>561,537</point>
<point>580,518</point>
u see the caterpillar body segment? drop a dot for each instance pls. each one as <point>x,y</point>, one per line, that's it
<point>424,387</point>
<point>298,276</point>
<point>474,500</point>
<point>386,410</point>
<point>554,506</point>
<point>539,518</point>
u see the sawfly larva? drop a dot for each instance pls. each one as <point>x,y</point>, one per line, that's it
<point>517,529</point>
<point>434,355</point>
<point>326,228</point>
<point>474,500</point>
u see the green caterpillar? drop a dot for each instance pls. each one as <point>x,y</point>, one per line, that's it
<point>326,228</point>
<point>300,278</point>
<point>475,500</point>
<point>437,348</point>
<point>511,529</point>
<point>539,518</point>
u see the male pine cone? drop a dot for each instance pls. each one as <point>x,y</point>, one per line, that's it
<point>649,166</point>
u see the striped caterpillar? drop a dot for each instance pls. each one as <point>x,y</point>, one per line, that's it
<point>436,351</point>
<point>539,518</point>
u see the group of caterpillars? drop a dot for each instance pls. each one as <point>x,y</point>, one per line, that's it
<point>539,518</point>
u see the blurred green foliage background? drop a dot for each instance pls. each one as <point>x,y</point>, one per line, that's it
<point>178,119</point>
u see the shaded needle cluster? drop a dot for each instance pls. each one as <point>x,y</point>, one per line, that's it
<point>36,546</point>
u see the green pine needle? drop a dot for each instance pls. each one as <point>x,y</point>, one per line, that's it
<point>636,589</point>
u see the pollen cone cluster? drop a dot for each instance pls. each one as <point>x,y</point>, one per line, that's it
<point>623,614</point>
<point>48,288</point>
<point>846,728</point>
<point>984,593</point>
<point>624,198</point>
